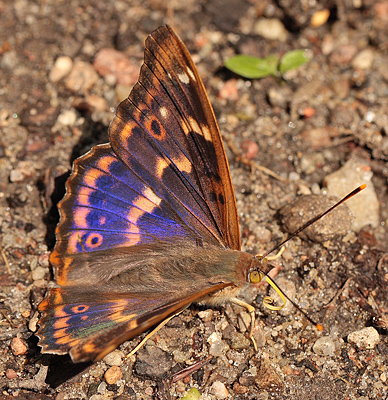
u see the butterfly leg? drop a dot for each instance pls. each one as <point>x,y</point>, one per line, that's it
<point>251,311</point>
<point>152,333</point>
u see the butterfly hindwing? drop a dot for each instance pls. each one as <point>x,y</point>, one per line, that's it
<point>110,305</point>
<point>89,327</point>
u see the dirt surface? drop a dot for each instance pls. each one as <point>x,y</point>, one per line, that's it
<point>321,117</point>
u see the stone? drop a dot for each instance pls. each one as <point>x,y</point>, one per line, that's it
<point>366,338</point>
<point>365,206</point>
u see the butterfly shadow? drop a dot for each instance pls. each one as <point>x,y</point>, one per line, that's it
<point>53,189</point>
<point>57,368</point>
<point>62,369</point>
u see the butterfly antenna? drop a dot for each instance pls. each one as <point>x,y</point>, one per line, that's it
<point>315,219</point>
<point>268,301</point>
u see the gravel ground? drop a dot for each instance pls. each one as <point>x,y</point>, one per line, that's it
<point>322,129</point>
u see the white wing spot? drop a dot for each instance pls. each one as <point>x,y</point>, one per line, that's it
<point>164,112</point>
<point>184,78</point>
<point>191,73</point>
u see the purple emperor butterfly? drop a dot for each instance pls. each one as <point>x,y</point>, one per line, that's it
<point>149,221</point>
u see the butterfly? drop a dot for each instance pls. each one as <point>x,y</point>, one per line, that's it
<point>149,222</point>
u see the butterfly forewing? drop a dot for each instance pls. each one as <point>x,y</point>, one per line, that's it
<point>169,111</point>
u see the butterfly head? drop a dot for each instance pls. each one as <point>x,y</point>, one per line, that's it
<point>258,269</point>
<point>259,272</point>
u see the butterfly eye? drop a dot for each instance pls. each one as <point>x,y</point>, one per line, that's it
<point>255,277</point>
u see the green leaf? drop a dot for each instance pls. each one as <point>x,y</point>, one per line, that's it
<point>253,67</point>
<point>294,59</point>
<point>192,394</point>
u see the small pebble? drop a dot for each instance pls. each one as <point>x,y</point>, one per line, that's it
<point>365,206</point>
<point>263,234</point>
<point>366,338</point>
<point>364,59</point>
<point>244,321</point>
<point>43,260</point>
<point>279,97</point>
<point>343,54</point>
<point>240,341</point>
<point>219,390</point>
<point>81,78</point>
<point>319,18</point>
<point>229,90</point>
<point>24,170</point>
<point>115,358</point>
<point>33,322</point>
<point>38,273</point>
<point>239,389</point>
<point>381,10</point>
<point>324,346</point>
<point>216,348</point>
<point>110,61</point>
<point>97,102</point>
<point>97,397</point>
<point>217,345</point>
<point>153,361</point>
<point>206,315</point>
<point>18,347</point>
<point>122,92</point>
<point>11,374</point>
<point>113,374</point>
<point>271,28</point>
<point>319,138</point>
<point>341,87</point>
<point>250,149</point>
<point>180,386</point>
<point>67,118</point>
<point>149,391</point>
<point>61,68</point>
<point>259,336</point>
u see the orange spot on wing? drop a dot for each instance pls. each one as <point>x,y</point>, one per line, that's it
<point>142,205</point>
<point>66,339</point>
<point>63,272</point>
<point>84,195</point>
<point>105,162</point>
<point>182,163</point>
<point>61,322</point>
<point>91,177</point>
<point>125,129</point>
<point>79,215</point>
<point>74,241</point>
<point>161,165</point>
